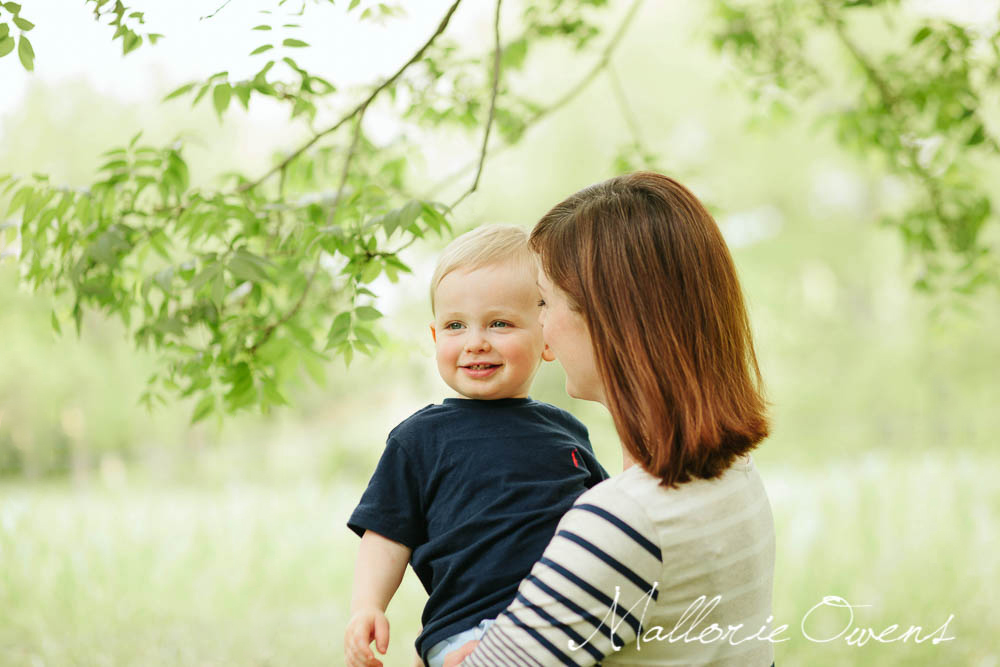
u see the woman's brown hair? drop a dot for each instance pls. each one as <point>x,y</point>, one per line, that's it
<point>645,264</point>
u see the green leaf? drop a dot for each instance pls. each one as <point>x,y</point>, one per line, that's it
<point>6,45</point>
<point>201,93</point>
<point>978,136</point>
<point>243,93</point>
<point>370,272</point>
<point>366,336</point>
<point>204,408</point>
<point>180,91</point>
<point>20,198</point>
<point>23,24</point>
<point>247,266</point>
<point>354,3</point>
<point>261,49</point>
<point>4,30</point>
<point>55,323</point>
<point>262,26</point>
<point>164,278</point>
<point>922,34</point>
<point>35,204</point>
<point>26,53</point>
<point>221,96</point>
<point>270,391</point>
<point>207,274</point>
<point>130,42</point>
<point>219,289</point>
<point>367,313</point>
<point>12,7</point>
<point>514,54</point>
<point>113,165</point>
<point>339,330</point>
<point>295,43</point>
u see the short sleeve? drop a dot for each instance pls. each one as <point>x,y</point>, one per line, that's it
<point>585,598</point>
<point>597,472</point>
<point>392,505</point>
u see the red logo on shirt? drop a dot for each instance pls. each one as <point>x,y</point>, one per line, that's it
<point>575,462</point>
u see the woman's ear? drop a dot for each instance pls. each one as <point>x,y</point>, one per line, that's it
<point>434,334</point>
<point>547,354</point>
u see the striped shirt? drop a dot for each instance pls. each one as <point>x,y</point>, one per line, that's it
<point>638,574</point>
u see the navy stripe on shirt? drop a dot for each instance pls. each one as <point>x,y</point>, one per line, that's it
<point>611,561</point>
<point>498,655</point>
<point>631,620</point>
<point>542,641</point>
<point>639,538</point>
<point>507,648</point>
<point>574,607</point>
<point>580,640</point>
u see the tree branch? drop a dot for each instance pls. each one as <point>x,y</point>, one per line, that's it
<point>360,107</point>
<point>627,112</point>
<point>213,14</point>
<point>580,86</point>
<point>345,170</point>
<point>497,51</point>
<point>355,140</point>
<point>890,100</point>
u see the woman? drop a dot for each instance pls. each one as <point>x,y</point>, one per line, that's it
<point>671,561</point>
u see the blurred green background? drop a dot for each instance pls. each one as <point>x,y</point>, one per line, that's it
<point>129,538</point>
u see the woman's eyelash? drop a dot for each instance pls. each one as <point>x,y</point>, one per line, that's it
<point>541,302</point>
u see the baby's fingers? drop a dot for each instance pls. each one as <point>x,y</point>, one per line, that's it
<point>357,651</point>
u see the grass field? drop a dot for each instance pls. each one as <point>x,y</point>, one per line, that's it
<point>232,574</point>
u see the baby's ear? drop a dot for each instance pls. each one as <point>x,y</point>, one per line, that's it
<point>547,354</point>
<point>434,334</point>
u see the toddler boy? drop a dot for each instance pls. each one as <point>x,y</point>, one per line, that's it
<point>469,492</point>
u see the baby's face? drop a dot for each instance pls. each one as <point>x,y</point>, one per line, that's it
<point>487,336</point>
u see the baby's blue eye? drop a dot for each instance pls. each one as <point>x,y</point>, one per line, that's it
<point>500,323</point>
<point>453,326</point>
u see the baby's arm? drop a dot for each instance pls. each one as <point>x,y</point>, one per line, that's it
<point>380,567</point>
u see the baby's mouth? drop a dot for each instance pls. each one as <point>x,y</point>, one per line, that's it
<point>480,367</point>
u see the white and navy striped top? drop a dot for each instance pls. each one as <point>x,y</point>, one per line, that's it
<point>638,574</point>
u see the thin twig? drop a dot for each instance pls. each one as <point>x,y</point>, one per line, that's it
<point>890,100</point>
<point>497,51</point>
<point>212,15</point>
<point>270,329</point>
<point>403,247</point>
<point>355,140</point>
<point>363,105</point>
<point>580,86</point>
<point>345,170</point>
<point>628,113</point>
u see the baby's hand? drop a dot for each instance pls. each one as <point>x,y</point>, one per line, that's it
<point>366,625</point>
<point>455,658</point>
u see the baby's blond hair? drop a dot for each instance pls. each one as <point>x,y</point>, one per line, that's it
<point>482,246</point>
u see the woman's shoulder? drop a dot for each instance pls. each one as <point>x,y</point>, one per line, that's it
<point>638,498</point>
<point>619,505</point>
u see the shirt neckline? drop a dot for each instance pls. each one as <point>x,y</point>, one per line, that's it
<point>482,404</point>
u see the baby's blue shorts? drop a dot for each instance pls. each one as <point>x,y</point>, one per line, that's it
<point>438,652</point>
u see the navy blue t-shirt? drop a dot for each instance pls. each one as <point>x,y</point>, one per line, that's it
<point>475,488</point>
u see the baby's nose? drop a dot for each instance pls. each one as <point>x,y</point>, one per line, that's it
<point>477,343</point>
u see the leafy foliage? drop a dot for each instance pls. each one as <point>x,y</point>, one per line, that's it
<point>243,286</point>
<point>917,106</point>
